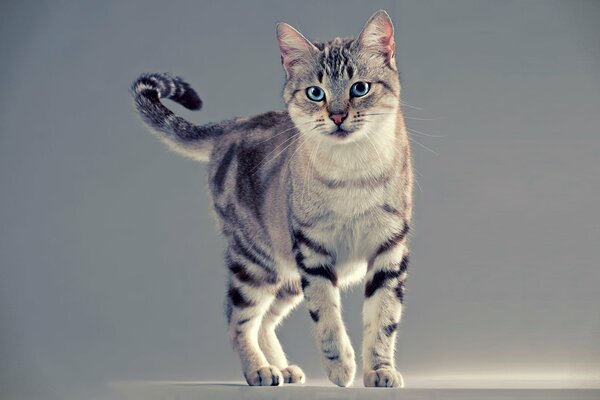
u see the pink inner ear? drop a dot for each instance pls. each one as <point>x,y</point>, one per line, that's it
<point>378,35</point>
<point>287,60</point>
<point>387,40</point>
<point>292,46</point>
<point>391,48</point>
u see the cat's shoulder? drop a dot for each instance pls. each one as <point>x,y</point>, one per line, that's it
<point>266,121</point>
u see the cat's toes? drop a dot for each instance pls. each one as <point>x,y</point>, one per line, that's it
<point>383,377</point>
<point>342,373</point>
<point>293,374</point>
<point>265,376</point>
<point>341,369</point>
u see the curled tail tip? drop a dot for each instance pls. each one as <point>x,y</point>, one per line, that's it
<point>166,85</point>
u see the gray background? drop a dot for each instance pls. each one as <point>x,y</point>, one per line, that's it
<point>110,266</point>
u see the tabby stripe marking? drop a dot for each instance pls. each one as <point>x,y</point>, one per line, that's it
<point>399,290</point>
<point>357,183</point>
<point>394,240</point>
<point>314,315</point>
<point>245,252</point>
<point>250,190</point>
<point>314,246</point>
<point>221,173</point>
<point>310,222</point>
<point>288,290</point>
<point>325,271</point>
<point>255,249</point>
<point>390,209</point>
<point>380,365</point>
<point>404,264</point>
<point>350,71</point>
<point>379,279</point>
<point>238,299</point>
<point>387,87</point>
<point>243,275</point>
<point>304,283</point>
<point>390,329</point>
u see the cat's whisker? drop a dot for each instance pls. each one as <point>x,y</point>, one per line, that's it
<point>424,134</point>
<point>402,103</point>
<point>418,184</point>
<point>421,119</point>
<point>265,161</point>
<point>369,114</point>
<point>284,131</point>
<point>310,166</point>
<point>281,144</point>
<point>423,146</point>
<point>368,135</point>
<point>306,139</point>
<point>285,148</point>
<point>416,180</point>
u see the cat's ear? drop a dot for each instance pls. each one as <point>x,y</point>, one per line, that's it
<point>295,49</point>
<point>377,37</point>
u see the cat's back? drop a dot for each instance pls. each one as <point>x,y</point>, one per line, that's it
<point>250,141</point>
<point>249,159</point>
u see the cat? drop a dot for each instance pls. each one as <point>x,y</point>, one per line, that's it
<point>310,200</point>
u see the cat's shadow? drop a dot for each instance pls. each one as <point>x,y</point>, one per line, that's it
<point>237,384</point>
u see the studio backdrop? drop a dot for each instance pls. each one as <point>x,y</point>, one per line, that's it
<point>111,267</point>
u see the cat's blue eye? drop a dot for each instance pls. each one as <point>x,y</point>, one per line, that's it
<point>359,89</point>
<point>315,93</point>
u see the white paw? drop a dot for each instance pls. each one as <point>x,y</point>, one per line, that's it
<point>293,374</point>
<point>341,370</point>
<point>265,376</point>
<point>383,377</point>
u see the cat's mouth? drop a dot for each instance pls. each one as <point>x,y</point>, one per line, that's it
<point>340,132</point>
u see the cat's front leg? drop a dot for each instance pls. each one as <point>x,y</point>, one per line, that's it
<point>382,310</point>
<point>319,285</point>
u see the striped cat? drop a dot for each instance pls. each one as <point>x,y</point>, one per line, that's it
<point>311,200</point>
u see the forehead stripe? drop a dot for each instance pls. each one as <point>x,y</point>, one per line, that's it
<point>350,71</point>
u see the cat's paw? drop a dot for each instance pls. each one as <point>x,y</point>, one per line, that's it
<point>265,376</point>
<point>341,369</point>
<point>293,374</point>
<point>383,377</point>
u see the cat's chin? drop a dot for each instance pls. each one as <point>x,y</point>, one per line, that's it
<point>342,135</point>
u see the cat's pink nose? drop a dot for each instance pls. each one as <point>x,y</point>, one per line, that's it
<point>337,118</point>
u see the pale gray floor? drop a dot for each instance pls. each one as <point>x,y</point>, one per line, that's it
<point>322,390</point>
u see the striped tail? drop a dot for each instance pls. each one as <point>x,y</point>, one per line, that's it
<point>192,140</point>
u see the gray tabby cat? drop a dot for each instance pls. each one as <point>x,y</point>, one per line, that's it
<point>311,200</point>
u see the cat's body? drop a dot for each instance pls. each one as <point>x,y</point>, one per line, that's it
<point>307,203</point>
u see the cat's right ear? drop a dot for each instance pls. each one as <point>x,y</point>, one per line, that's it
<point>295,49</point>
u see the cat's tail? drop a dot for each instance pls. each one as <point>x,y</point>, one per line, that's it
<point>195,141</point>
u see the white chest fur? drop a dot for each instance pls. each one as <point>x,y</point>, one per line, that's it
<point>345,192</point>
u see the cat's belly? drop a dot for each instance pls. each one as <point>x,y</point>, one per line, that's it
<point>355,239</point>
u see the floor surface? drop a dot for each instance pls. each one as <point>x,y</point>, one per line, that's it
<point>322,390</point>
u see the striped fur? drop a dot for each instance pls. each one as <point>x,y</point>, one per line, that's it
<point>307,210</point>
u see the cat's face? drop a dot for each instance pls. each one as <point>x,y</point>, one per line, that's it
<point>343,90</point>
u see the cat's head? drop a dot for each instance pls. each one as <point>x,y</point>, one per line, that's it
<point>343,89</point>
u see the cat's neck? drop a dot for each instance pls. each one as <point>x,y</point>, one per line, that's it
<point>368,157</point>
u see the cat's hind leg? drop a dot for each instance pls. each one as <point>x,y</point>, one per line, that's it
<point>252,290</point>
<point>288,296</point>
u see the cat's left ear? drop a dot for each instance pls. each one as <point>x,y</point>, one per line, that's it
<point>377,37</point>
<point>295,49</point>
